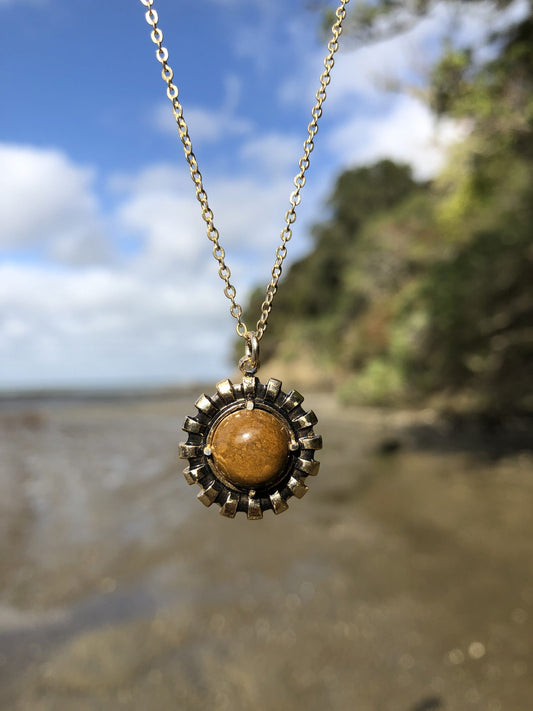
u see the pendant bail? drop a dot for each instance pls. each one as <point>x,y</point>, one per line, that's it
<point>249,363</point>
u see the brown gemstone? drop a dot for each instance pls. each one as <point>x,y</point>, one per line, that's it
<point>250,448</point>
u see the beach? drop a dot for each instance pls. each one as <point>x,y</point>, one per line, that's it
<point>403,580</point>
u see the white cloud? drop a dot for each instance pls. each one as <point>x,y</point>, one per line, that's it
<point>141,317</point>
<point>260,34</point>
<point>408,133</point>
<point>248,209</point>
<point>273,153</point>
<point>160,206</point>
<point>407,58</point>
<point>364,122</point>
<point>477,24</point>
<point>47,203</point>
<point>371,123</point>
<point>94,324</point>
<point>364,71</point>
<point>208,125</point>
<point>205,125</point>
<point>158,314</point>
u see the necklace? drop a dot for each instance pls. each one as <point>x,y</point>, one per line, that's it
<point>251,446</point>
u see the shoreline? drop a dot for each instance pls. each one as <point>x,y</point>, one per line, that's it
<point>120,589</point>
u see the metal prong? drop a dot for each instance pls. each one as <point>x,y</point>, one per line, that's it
<point>192,425</point>
<point>193,475</point>
<point>307,420</point>
<point>313,442</point>
<point>293,399</point>
<point>278,503</point>
<point>206,405</point>
<point>273,387</point>
<point>225,390</point>
<point>229,507</point>
<point>297,487</point>
<point>186,451</point>
<point>308,466</point>
<point>254,507</point>
<point>207,496</point>
<point>249,384</point>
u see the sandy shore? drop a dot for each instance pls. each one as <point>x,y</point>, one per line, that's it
<point>403,581</point>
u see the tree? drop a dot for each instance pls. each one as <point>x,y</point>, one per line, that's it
<point>425,290</point>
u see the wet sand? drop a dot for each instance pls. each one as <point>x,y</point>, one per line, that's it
<point>403,581</point>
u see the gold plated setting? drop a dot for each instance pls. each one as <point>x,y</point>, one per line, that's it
<point>251,447</point>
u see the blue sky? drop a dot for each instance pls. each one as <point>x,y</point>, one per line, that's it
<point>106,276</point>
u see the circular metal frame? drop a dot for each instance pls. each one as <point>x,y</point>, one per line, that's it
<point>250,394</point>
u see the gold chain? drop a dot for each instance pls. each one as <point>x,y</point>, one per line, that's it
<point>224,272</point>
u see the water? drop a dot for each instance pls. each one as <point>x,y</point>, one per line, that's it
<point>403,581</point>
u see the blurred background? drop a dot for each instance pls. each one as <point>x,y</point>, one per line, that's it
<point>404,580</point>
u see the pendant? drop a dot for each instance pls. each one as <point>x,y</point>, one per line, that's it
<point>251,446</point>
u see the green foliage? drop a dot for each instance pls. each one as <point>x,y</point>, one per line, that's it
<point>378,383</point>
<point>449,82</point>
<point>316,294</point>
<point>480,315</point>
<point>425,290</point>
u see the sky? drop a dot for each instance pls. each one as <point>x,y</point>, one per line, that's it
<point>106,273</point>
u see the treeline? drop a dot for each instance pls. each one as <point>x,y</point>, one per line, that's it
<point>425,291</point>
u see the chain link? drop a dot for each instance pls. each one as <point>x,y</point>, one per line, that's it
<point>224,272</point>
